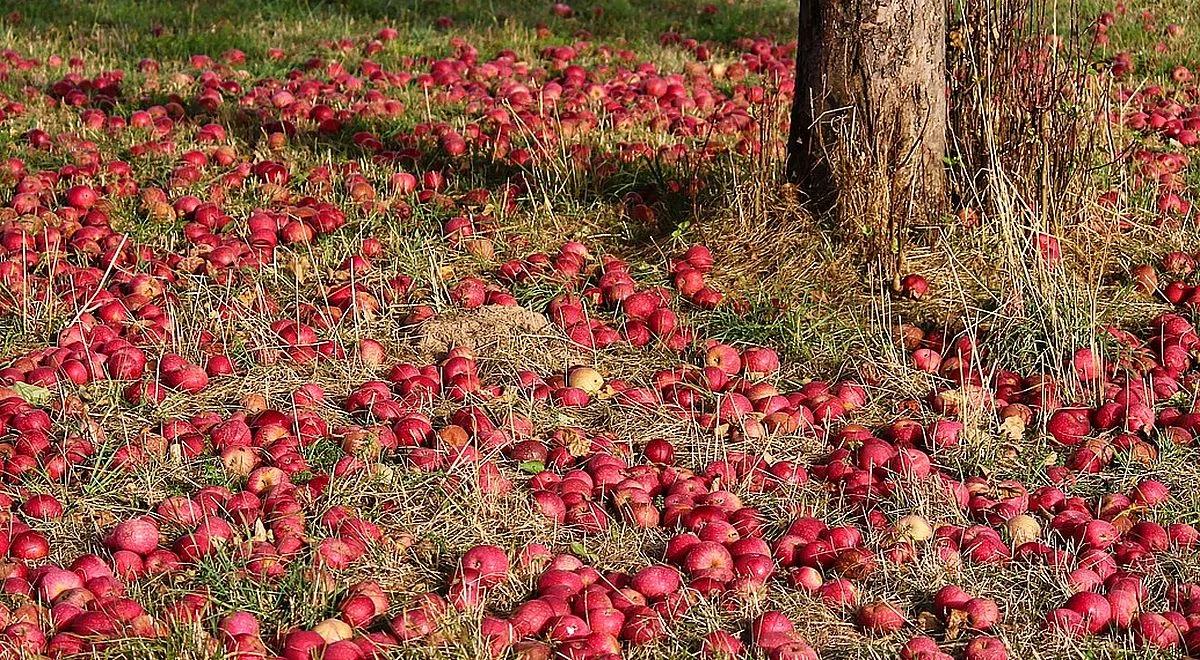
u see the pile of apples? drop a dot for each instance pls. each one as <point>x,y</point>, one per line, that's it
<point>231,217</point>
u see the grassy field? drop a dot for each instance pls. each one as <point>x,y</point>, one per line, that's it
<point>333,294</point>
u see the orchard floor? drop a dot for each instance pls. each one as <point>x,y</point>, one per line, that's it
<point>457,329</point>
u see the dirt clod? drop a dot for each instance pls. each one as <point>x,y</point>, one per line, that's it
<point>518,335</point>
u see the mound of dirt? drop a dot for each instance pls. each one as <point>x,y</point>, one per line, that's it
<point>516,335</point>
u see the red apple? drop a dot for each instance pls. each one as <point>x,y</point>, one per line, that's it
<point>880,617</point>
<point>656,581</point>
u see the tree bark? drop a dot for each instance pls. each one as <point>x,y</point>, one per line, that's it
<point>868,124</point>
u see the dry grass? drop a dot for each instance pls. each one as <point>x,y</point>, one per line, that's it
<point>791,284</point>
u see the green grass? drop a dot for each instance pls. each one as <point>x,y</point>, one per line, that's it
<point>122,31</point>
<point>1142,38</point>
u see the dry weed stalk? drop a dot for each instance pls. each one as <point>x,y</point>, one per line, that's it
<point>1023,108</point>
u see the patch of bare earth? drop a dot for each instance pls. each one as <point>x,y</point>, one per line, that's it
<point>507,334</point>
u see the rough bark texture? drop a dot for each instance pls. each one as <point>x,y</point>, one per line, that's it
<point>868,124</point>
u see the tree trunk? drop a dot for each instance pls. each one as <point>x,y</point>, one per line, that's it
<point>868,125</point>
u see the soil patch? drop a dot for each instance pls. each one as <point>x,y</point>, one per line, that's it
<point>520,337</point>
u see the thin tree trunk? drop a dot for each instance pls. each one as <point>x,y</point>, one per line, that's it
<point>868,123</point>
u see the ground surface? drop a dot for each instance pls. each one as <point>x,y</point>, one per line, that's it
<point>449,329</point>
